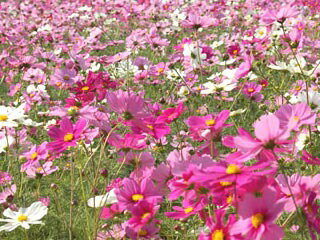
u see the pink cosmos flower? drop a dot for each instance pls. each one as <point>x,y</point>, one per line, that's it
<point>5,178</point>
<point>270,138</point>
<point>294,116</point>
<point>38,169</point>
<point>311,210</point>
<point>281,15</point>
<point>308,158</point>
<point>146,232</point>
<point>150,126</point>
<point>63,76</point>
<point>36,153</point>
<point>196,21</point>
<point>219,230</point>
<point>188,208</point>
<point>170,114</point>
<point>257,217</point>
<point>67,135</point>
<point>132,193</point>
<point>142,214</point>
<point>209,126</point>
<point>129,141</point>
<point>6,196</point>
<point>128,104</point>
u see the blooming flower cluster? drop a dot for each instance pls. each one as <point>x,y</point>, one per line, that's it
<point>201,117</point>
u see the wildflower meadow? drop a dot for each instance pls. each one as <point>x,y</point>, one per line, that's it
<point>160,119</point>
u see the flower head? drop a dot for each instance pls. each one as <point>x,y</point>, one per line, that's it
<point>24,217</point>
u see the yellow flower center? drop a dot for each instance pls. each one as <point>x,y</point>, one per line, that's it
<point>39,169</point>
<point>298,88</point>
<point>188,210</point>
<point>210,122</point>
<point>225,184</point>
<point>85,88</point>
<point>22,218</point>
<point>145,215</point>
<point>137,197</point>
<point>142,232</point>
<point>235,52</point>
<point>58,84</point>
<point>150,127</point>
<point>229,199</point>
<point>160,70</point>
<point>3,117</point>
<point>250,90</point>
<point>66,78</point>
<point>257,220</point>
<point>296,118</point>
<point>217,235</point>
<point>34,155</point>
<point>68,137</point>
<point>233,169</point>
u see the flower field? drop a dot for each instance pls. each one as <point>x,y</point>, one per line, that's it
<point>160,119</point>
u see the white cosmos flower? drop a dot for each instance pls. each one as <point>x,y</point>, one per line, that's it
<point>297,65</point>
<point>24,217</point>
<point>5,142</point>
<point>279,66</point>
<point>314,99</point>
<point>10,115</point>
<point>261,32</point>
<point>101,200</point>
<point>225,86</point>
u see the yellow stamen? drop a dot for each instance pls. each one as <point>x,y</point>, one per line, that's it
<point>225,184</point>
<point>233,169</point>
<point>137,197</point>
<point>34,155</point>
<point>298,88</point>
<point>250,90</point>
<point>217,235</point>
<point>160,70</point>
<point>39,169</point>
<point>68,137</point>
<point>145,215</point>
<point>142,232</point>
<point>22,218</point>
<point>150,127</point>
<point>66,78</point>
<point>188,210</point>
<point>210,122</point>
<point>85,88</point>
<point>257,220</point>
<point>3,117</point>
<point>296,118</point>
<point>229,199</point>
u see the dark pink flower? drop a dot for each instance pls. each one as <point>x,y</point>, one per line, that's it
<point>67,135</point>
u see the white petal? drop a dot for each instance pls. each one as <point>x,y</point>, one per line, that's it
<point>9,227</point>
<point>10,214</point>
<point>102,200</point>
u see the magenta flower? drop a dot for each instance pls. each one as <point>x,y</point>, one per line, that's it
<point>218,229</point>
<point>188,208</point>
<point>142,214</point>
<point>132,193</point>
<point>257,217</point>
<point>67,135</point>
<point>208,127</point>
